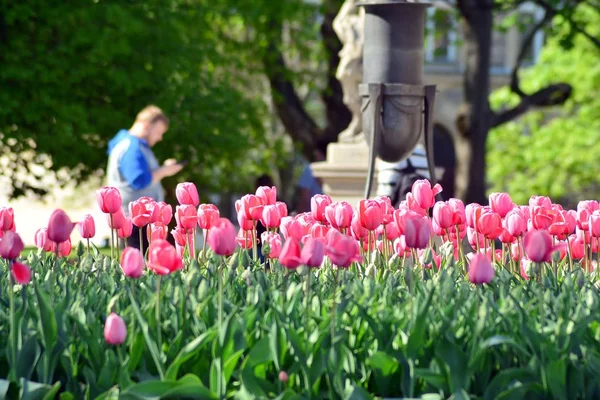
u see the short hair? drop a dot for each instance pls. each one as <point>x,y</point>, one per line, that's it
<point>152,114</point>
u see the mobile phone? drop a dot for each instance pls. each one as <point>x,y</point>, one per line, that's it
<point>183,163</point>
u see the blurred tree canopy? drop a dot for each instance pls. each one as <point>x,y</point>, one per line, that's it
<point>73,73</point>
<point>553,152</point>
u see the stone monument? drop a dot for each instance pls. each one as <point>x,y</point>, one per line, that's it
<point>345,170</point>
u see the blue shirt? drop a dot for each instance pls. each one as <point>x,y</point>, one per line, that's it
<point>308,181</point>
<point>133,165</point>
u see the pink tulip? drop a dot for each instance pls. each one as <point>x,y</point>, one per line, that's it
<point>267,194</point>
<point>270,216</point>
<point>41,239</point>
<point>538,246</point>
<point>291,227</point>
<point>7,219</point>
<point>282,207</point>
<point>480,269</point>
<point>222,237</point>
<point>11,245</point>
<point>312,253</point>
<point>501,203</point>
<point>475,239</point>
<point>577,247</point>
<point>318,203</point>
<point>358,231</point>
<point>540,201</point>
<point>251,206</point>
<point>132,262</point>
<point>21,273</point>
<point>245,223</point>
<point>126,229</point>
<point>290,254</point>
<point>186,216</point>
<point>342,249</point>
<point>471,214</point>
<point>109,199</point>
<point>417,232</point>
<point>490,225</point>
<point>443,215</point>
<point>436,259</point>
<point>157,231</point>
<point>459,216</point>
<point>385,203</point>
<point>116,220</point>
<point>115,330</point>
<point>162,213</point>
<point>140,213</point>
<point>273,240</point>
<point>207,215</point>
<point>187,194</point>
<point>526,268</point>
<point>424,194</point>
<point>339,215</point>
<point>163,258</point>
<point>391,231</point>
<point>400,247</point>
<point>318,231</point>
<point>87,227</point>
<point>180,236</point>
<point>594,223</point>
<point>244,239</point>
<point>59,226</point>
<point>370,214</point>
<point>515,223</point>
<point>64,248</point>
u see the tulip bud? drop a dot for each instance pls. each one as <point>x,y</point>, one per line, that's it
<point>115,330</point>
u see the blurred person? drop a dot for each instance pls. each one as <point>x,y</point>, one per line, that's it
<point>308,185</point>
<point>132,166</point>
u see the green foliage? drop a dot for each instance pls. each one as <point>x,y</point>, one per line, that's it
<point>72,75</point>
<point>394,335</point>
<point>552,152</point>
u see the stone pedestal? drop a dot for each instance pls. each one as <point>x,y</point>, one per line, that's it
<point>344,174</point>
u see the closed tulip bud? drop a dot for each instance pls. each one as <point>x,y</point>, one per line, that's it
<point>115,330</point>
<point>358,231</point>
<point>515,223</point>
<point>289,256</point>
<point>207,215</point>
<point>459,216</point>
<point>577,247</point>
<point>21,273</point>
<point>313,252</point>
<point>7,219</point>
<point>126,229</point>
<point>501,203</point>
<point>163,213</point>
<point>180,236</point>
<point>132,262</point>
<point>116,220</point>
<point>64,248</point>
<point>267,194</point>
<point>244,239</point>
<point>270,216</point>
<point>60,226</point>
<point>339,215</point>
<point>222,237</point>
<point>443,214</point>
<point>538,246</point>
<point>370,214</point>
<point>291,227</point>
<point>480,269</point>
<point>109,199</point>
<point>251,206</point>
<point>526,268</point>
<point>157,231</point>
<point>417,232</point>
<point>282,207</point>
<point>187,194</point>
<point>283,376</point>
<point>342,249</point>
<point>141,213</point>
<point>163,258</point>
<point>87,227</point>
<point>41,239</point>
<point>11,245</point>
<point>273,241</point>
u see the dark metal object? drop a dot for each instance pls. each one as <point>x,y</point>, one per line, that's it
<point>397,108</point>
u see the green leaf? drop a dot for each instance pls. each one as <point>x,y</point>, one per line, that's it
<point>387,364</point>
<point>190,387</point>
<point>274,343</point>
<point>37,391</point>
<point>507,378</point>
<point>231,364</point>
<point>189,351</point>
<point>217,381</point>
<point>252,384</point>
<point>47,321</point>
<point>355,392</point>
<point>417,334</point>
<point>28,358</point>
<point>4,386</point>
<point>556,377</point>
<point>260,353</point>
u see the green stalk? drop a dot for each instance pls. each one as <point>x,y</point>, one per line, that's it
<point>112,238</point>
<point>158,328</point>
<point>142,244</point>
<point>13,323</point>
<point>334,305</point>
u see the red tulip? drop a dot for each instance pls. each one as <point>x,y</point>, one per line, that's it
<point>187,194</point>
<point>424,194</point>
<point>109,199</point>
<point>290,254</point>
<point>207,215</point>
<point>59,226</point>
<point>267,194</point>
<point>318,203</point>
<point>11,245</point>
<point>163,258</point>
<point>21,273</point>
<point>132,262</point>
<point>115,330</point>
<point>480,269</point>
<point>7,219</point>
<point>222,237</point>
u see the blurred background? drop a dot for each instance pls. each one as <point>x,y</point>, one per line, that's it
<point>250,88</point>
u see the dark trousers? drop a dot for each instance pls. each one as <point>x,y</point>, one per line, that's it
<point>134,239</point>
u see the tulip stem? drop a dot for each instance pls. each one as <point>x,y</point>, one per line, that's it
<point>307,290</point>
<point>13,323</point>
<point>142,244</point>
<point>334,304</point>
<point>205,234</point>
<point>254,245</point>
<point>112,237</point>
<point>194,243</point>
<point>460,247</point>
<point>88,245</point>
<point>569,252</point>
<point>158,327</point>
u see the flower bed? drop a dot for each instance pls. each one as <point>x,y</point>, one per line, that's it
<point>351,303</point>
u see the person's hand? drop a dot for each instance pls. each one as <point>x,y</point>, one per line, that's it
<point>170,161</point>
<point>172,169</point>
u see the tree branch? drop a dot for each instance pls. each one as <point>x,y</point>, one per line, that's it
<point>514,79</point>
<point>567,16</point>
<point>550,95</point>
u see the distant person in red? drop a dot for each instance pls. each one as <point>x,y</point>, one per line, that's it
<point>132,166</point>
